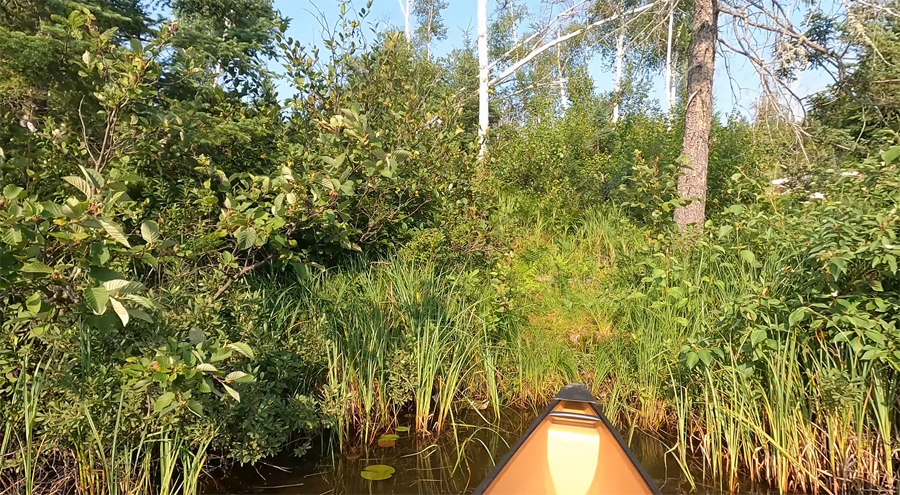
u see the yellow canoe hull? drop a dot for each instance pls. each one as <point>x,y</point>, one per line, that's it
<point>571,449</point>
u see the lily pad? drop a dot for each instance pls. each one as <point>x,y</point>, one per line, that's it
<point>353,456</point>
<point>386,443</point>
<point>377,472</point>
<point>390,437</point>
<point>402,429</point>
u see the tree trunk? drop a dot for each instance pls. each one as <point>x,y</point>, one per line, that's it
<point>560,79</point>
<point>482,77</point>
<point>698,115</point>
<point>405,12</point>
<point>670,86</point>
<point>620,55</point>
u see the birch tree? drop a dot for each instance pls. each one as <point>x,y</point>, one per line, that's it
<point>483,74</point>
<point>431,27</point>
<point>669,73</point>
<point>405,11</point>
<point>617,87</point>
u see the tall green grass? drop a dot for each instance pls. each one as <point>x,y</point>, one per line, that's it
<point>404,334</point>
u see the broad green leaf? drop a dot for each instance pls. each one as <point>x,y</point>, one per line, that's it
<point>705,356</point>
<point>749,257</point>
<point>242,348</point>
<point>890,154</point>
<point>876,336</point>
<point>892,262</point>
<point>52,210</point>
<point>114,231</point>
<point>232,392</point>
<point>93,177</point>
<point>36,267</point>
<point>120,310</point>
<point>195,336</point>
<point>797,316</point>
<point>143,301</point>
<point>195,407</point>
<point>246,238</point>
<point>33,303</point>
<point>163,401</point>
<point>871,354</point>
<point>123,287</point>
<point>207,368</point>
<point>12,236</point>
<point>150,260</point>
<point>402,429</point>
<point>205,386</point>
<point>102,274</point>
<point>220,354</point>
<point>390,437</point>
<point>840,264</point>
<point>99,254</point>
<point>236,376</point>
<point>758,336</point>
<point>12,191</point>
<point>377,472</point>
<point>150,231</point>
<point>80,184</point>
<point>140,314</point>
<point>96,299</point>
<point>691,359</point>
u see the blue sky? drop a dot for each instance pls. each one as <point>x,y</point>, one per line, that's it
<point>735,89</point>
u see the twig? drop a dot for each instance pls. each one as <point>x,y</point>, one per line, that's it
<point>244,271</point>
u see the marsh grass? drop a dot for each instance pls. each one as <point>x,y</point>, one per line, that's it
<point>402,333</point>
<point>114,462</point>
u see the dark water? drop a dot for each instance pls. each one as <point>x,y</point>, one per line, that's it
<point>425,465</point>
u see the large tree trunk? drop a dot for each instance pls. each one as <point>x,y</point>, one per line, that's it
<point>617,87</point>
<point>482,77</point>
<point>698,116</point>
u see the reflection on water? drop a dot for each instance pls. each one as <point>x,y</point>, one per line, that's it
<point>424,465</point>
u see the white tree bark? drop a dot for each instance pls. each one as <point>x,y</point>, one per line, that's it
<point>670,83</point>
<point>620,56</point>
<point>560,78</point>
<point>404,9</point>
<point>483,75</point>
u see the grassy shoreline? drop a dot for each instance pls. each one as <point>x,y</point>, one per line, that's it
<point>379,338</point>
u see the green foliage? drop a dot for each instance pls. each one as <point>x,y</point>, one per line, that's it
<point>859,116</point>
<point>200,267</point>
<point>650,191</point>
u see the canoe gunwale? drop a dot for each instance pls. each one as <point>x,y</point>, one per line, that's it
<point>569,393</point>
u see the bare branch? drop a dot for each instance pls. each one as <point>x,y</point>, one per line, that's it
<point>537,51</point>
<point>244,271</point>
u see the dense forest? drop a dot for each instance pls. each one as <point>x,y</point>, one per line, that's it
<point>196,270</point>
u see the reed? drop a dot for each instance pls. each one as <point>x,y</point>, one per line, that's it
<point>404,334</point>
